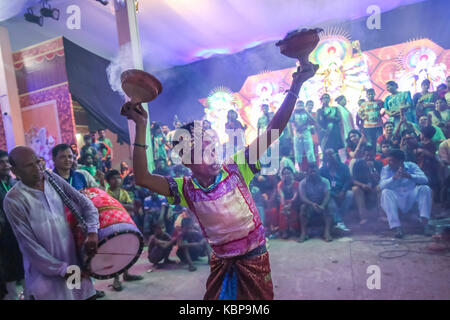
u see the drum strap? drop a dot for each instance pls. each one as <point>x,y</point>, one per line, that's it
<point>67,202</point>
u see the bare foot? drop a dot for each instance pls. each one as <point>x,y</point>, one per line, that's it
<point>327,237</point>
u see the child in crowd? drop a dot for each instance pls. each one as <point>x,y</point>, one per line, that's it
<point>385,149</point>
<point>117,192</point>
<point>88,164</point>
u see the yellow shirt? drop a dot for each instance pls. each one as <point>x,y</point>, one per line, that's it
<point>120,195</point>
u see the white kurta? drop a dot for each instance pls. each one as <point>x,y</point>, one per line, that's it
<point>403,194</point>
<point>39,223</point>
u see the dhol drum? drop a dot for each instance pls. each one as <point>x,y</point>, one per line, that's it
<point>120,243</point>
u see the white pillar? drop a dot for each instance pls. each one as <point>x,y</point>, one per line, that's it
<point>128,32</point>
<point>9,95</point>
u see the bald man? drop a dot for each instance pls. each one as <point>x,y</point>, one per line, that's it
<point>37,217</point>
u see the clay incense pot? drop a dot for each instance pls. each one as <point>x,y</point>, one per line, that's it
<point>298,44</point>
<point>140,86</point>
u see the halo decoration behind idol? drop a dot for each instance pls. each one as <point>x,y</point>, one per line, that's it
<point>140,86</point>
<point>298,44</point>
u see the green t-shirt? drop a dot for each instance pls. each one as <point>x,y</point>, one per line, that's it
<point>238,158</point>
<point>107,142</point>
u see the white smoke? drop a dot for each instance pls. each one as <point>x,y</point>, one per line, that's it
<point>121,62</point>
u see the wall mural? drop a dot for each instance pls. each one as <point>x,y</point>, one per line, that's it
<point>42,129</point>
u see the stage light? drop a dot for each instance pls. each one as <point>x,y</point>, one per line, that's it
<point>30,17</point>
<point>103,2</point>
<point>49,12</point>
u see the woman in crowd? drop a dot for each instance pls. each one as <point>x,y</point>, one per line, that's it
<point>329,120</point>
<point>288,214</point>
<point>355,145</point>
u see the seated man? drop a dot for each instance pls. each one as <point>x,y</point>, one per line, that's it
<point>429,163</point>
<point>191,244</point>
<point>338,175</point>
<point>314,193</point>
<point>403,185</point>
<point>159,246</point>
<point>366,175</point>
<point>409,145</point>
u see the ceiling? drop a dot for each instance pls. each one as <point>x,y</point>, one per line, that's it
<point>178,32</point>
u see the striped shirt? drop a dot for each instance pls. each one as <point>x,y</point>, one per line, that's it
<point>370,112</point>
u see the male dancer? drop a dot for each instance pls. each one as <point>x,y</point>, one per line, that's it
<point>220,198</point>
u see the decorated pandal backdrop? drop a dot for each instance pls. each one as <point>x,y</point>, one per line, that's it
<point>344,70</point>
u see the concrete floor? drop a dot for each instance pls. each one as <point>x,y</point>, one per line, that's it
<point>316,270</point>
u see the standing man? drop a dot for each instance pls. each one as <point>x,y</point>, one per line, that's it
<point>370,112</point>
<point>11,264</point>
<point>107,151</point>
<point>403,185</point>
<point>63,159</point>
<point>38,219</point>
<point>303,141</point>
<point>89,148</point>
<point>264,120</point>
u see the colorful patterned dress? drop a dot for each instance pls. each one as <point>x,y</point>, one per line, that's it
<point>230,221</point>
<point>400,100</point>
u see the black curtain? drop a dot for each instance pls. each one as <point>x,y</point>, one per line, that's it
<point>88,84</point>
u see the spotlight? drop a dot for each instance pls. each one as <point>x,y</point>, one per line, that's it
<point>30,17</point>
<point>103,2</point>
<point>49,12</point>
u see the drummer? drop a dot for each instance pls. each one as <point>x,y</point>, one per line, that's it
<point>219,197</point>
<point>37,217</point>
